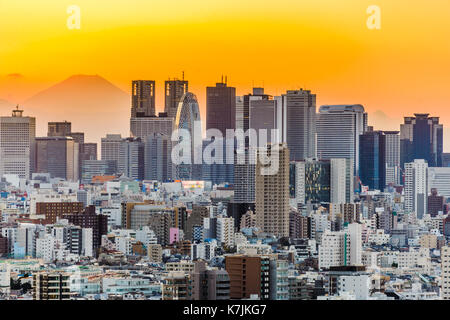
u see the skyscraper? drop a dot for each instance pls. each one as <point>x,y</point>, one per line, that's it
<point>300,120</point>
<point>342,178</point>
<point>188,118</point>
<point>142,98</point>
<point>393,172</point>
<point>58,156</point>
<point>422,138</point>
<point>174,91</point>
<point>265,114</point>
<point>59,129</point>
<point>272,191</point>
<point>111,147</point>
<point>221,107</point>
<point>17,144</point>
<point>416,187</point>
<point>244,173</point>
<point>243,107</point>
<point>372,155</point>
<point>131,158</point>
<point>338,131</point>
<point>158,160</point>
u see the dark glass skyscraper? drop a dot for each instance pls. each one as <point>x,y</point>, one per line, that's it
<point>421,138</point>
<point>221,107</point>
<point>372,157</point>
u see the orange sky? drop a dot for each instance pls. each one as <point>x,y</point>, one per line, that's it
<point>321,45</point>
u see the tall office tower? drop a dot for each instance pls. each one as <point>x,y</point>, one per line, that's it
<point>272,190</point>
<point>111,147</point>
<point>392,150</point>
<point>221,107</point>
<point>142,98</point>
<point>17,144</point>
<point>372,156</point>
<point>416,187</point>
<point>338,131</point>
<point>266,114</point>
<point>249,275</point>
<point>174,91</point>
<point>300,134</point>
<point>189,164</point>
<point>244,173</point>
<point>421,137</point>
<point>58,156</point>
<point>158,159</point>
<point>131,158</point>
<point>342,178</point>
<point>243,107</point>
<point>445,272</point>
<point>341,248</point>
<point>78,137</point>
<point>59,129</point>
<point>143,127</point>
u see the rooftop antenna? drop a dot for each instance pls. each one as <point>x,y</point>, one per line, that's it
<point>226,79</point>
<point>183,75</point>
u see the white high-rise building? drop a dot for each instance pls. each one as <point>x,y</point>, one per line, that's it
<point>341,181</point>
<point>416,187</point>
<point>17,144</point>
<point>354,231</point>
<point>338,131</point>
<point>225,231</point>
<point>392,152</point>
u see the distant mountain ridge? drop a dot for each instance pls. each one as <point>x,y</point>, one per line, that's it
<point>93,105</point>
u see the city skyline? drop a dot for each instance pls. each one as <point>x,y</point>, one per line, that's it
<point>326,48</point>
<point>242,152</point>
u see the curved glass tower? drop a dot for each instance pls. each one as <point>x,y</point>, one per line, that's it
<point>188,118</point>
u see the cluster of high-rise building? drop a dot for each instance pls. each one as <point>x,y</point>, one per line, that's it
<point>316,205</point>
